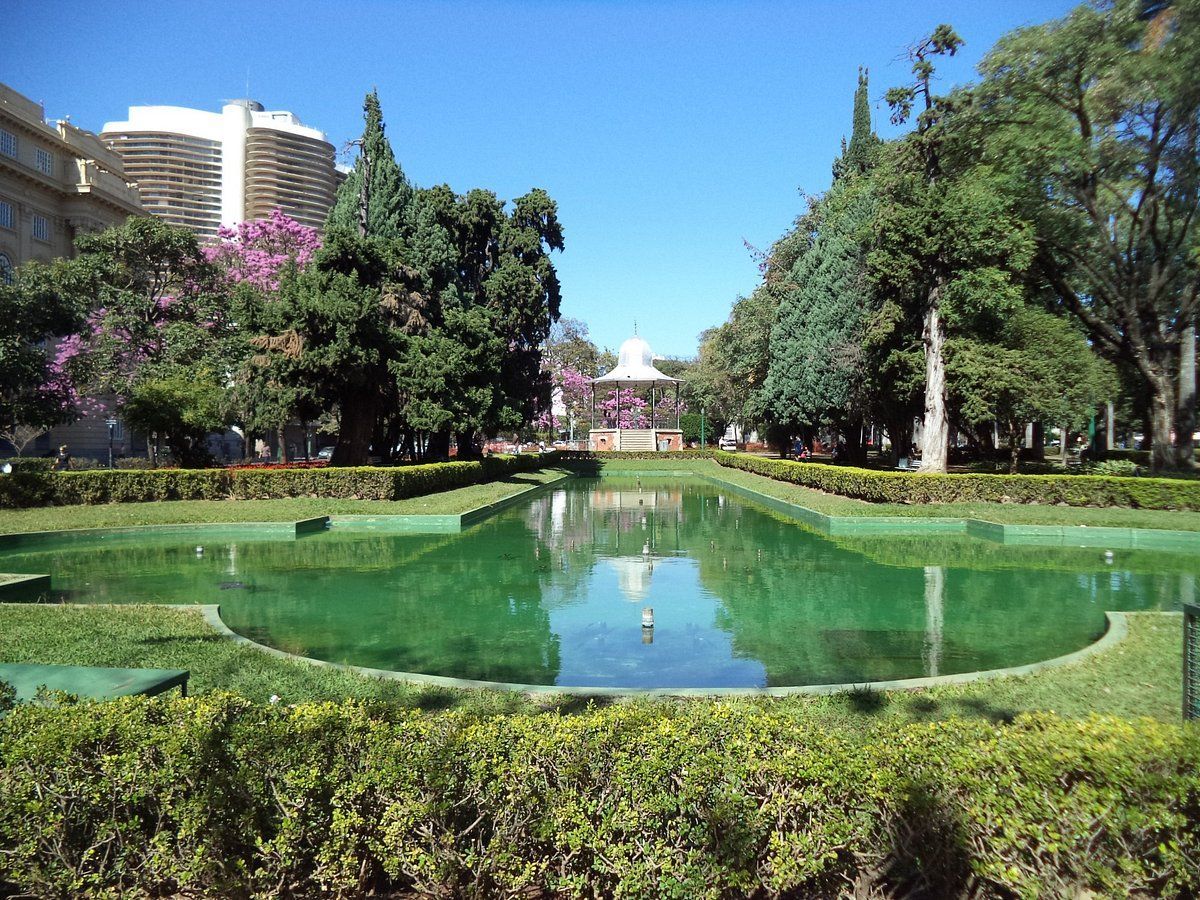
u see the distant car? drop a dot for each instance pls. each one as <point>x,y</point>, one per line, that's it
<point>727,443</point>
<point>325,453</point>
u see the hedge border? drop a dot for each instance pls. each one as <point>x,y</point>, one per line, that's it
<point>921,488</point>
<point>219,796</point>
<point>33,488</point>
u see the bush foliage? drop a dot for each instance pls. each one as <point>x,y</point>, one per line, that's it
<point>910,487</point>
<point>36,487</point>
<point>223,797</point>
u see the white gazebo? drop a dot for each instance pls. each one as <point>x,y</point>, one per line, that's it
<point>635,371</point>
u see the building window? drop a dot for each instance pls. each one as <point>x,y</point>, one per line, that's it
<point>7,218</point>
<point>6,270</point>
<point>41,228</point>
<point>45,161</point>
<point>8,143</point>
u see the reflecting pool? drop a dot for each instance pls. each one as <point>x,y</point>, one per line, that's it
<point>552,592</point>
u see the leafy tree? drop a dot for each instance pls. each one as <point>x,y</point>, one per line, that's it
<point>816,341</point>
<point>1097,117</point>
<point>489,295</point>
<point>1036,367</point>
<point>949,246</point>
<point>859,156</point>
<point>374,198</point>
<point>252,259</point>
<point>330,335</point>
<point>35,315</point>
<point>155,310</point>
<point>184,406</point>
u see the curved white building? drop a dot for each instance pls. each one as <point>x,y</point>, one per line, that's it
<point>201,170</point>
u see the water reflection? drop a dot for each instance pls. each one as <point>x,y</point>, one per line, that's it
<point>552,592</point>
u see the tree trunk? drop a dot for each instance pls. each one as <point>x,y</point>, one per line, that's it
<point>354,436</point>
<point>466,445</point>
<point>283,454</point>
<point>935,430</point>
<point>900,435</point>
<point>1162,423</point>
<point>1064,443</point>
<point>438,446</point>
<point>1038,444</point>
<point>1014,447</point>
<point>1185,407</point>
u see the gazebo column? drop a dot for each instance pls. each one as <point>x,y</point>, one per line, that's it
<point>677,406</point>
<point>653,409</point>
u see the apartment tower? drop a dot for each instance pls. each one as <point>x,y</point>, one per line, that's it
<point>201,170</point>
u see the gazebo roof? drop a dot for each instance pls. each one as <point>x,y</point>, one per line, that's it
<point>635,366</point>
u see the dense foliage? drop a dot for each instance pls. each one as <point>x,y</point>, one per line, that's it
<point>421,314</point>
<point>224,797</point>
<point>972,272</point>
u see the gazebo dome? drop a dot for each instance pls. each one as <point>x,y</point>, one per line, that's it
<point>635,354</point>
<point>635,366</point>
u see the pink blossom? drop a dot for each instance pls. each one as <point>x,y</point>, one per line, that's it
<point>258,251</point>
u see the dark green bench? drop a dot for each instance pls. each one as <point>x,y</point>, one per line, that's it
<point>94,682</point>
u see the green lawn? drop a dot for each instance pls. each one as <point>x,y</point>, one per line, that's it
<point>169,512</point>
<point>1140,676</point>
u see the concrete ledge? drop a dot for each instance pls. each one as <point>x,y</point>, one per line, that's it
<point>440,524</point>
<point>1116,631</point>
<point>1016,535</point>
<point>24,588</point>
<point>265,531</point>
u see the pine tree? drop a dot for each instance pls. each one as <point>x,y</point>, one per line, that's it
<point>388,189</point>
<point>859,155</point>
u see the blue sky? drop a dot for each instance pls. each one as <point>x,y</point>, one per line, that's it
<point>667,132</point>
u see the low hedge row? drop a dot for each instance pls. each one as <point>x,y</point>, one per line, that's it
<point>221,797</point>
<point>26,488</point>
<point>915,487</point>
<point>572,455</point>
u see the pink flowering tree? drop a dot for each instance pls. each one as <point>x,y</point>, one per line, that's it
<point>155,314</point>
<point>252,261</point>
<point>257,252</point>
<point>624,409</point>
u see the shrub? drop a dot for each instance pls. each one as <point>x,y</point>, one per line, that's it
<point>46,488</point>
<point>600,455</point>
<point>218,796</point>
<point>909,487</point>
<point>1120,467</point>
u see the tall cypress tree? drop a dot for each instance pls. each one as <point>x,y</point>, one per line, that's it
<point>859,155</point>
<point>388,189</point>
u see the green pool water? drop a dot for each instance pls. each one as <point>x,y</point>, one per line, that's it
<point>552,591</point>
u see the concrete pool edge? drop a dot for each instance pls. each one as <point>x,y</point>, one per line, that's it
<point>443,523</point>
<point>1116,630</point>
<point>1014,535</point>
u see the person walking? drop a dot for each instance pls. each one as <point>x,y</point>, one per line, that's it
<point>63,461</point>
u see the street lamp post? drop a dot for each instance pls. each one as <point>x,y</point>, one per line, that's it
<point>111,423</point>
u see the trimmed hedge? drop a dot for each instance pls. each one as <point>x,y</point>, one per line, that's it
<point>1139,457</point>
<point>915,487</point>
<point>41,488</point>
<point>221,797</point>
